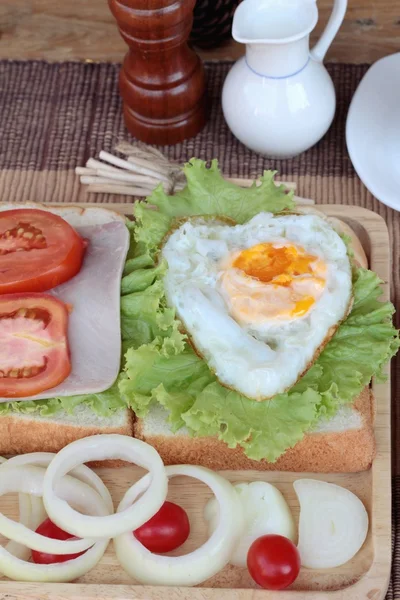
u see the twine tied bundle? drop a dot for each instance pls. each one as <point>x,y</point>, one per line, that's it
<point>143,169</point>
<point>140,172</point>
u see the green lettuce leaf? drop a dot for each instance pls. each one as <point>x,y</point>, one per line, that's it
<point>363,344</point>
<point>103,403</point>
<point>237,420</point>
<point>145,317</point>
<point>206,193</point>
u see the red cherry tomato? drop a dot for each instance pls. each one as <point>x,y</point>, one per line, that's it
<point>273,562</point>
<point>50,530</point>
<point>166,531</point>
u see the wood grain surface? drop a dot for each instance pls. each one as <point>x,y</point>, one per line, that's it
<point>366,576</point>
<point>85,30</point>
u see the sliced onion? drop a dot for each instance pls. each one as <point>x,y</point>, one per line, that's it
<point>38,514</point>
<point>29,480</point>
<point>101,447</point>
<point>264,511</point>
<point>25,512</point>
<point>19,570</point>
<point>31,514</point>
<point>333,524</point>
<point>16,567</point>
<point>193,568</point>
<point>31,508</point>
<point>37,459</point>
<point>83,473</point>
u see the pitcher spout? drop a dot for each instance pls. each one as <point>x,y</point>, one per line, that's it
<point>274,21</point>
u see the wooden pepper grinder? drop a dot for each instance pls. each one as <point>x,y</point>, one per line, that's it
<point>162,80</point>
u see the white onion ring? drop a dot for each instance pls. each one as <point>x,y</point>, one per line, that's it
<point>82,473</point>
<point>25,514</point>
<point>25,517</point>
<point>19,570</point>
<point>101,447</point>
<point>15,567</point>
<point>31,509</point>
<point>29,480</point>
<point>38,514</point>
<point>195,567</point>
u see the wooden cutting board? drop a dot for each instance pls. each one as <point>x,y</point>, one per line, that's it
<point>364,577</point>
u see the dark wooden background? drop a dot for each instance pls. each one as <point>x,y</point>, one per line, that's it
<point>84,30</point>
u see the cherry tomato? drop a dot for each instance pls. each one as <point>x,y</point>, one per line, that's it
<point>34,354</point>
<point>273,562</point>
<point>38,251</point>
<point>166,531</point>
<point>50,530</point>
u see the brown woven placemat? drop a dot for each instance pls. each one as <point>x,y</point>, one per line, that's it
<point>53,117</point>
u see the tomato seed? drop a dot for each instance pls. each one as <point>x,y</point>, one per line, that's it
<point>25,235</point>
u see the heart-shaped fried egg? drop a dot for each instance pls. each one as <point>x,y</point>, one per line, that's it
<point>258,300</point>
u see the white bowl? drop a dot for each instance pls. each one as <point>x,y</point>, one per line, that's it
<point>373,130</point>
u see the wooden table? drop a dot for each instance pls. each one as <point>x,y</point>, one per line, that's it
<point>85,30</point>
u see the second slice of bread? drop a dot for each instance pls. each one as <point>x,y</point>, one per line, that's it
<point>343,444</point>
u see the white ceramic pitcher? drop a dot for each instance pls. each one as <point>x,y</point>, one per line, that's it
<point>279,99</point>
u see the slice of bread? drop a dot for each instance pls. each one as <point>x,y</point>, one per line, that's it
<point>22,433</point>
<point>344,444</point>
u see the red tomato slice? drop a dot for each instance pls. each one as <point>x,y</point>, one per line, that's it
<point>34,354</point>
<point>50,530</point>
<point>38,251</point>
<point>273,562</point>
<point>166,531</point>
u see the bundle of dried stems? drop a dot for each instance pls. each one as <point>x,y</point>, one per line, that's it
<point>142,170</point>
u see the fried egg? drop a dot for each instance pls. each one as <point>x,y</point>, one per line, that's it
<point>258,300</point>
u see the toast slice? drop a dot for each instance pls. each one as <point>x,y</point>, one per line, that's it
<point>23,433</point>
<point>343,444</point>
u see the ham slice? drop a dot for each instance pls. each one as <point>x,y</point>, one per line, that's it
<point>94,331</point>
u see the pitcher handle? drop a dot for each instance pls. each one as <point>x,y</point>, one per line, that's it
<point>329,34</point>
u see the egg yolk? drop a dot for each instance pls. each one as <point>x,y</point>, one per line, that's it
<point>267,262</point>
<point>294,280</point>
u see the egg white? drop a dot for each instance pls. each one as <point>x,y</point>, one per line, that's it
<point>258,359</point>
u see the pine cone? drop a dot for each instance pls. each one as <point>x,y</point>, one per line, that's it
<point>212,22</point>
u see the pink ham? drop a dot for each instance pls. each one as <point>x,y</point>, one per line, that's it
<point>94,331</point>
